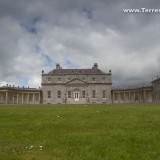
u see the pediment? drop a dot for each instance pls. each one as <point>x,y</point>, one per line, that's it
<point>76,81</point>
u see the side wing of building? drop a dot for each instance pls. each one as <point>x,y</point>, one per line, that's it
<point>135,94</point>
<point>17,95</point>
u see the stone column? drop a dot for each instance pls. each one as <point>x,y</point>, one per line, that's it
<point>139,97</point>
<point>28,98</point>
<point>144,96</point>
<point>124,97</point>
<point>33,100</point>
<point>17,98</point>
<point>129,97</point>
<point>12,98</point>
<point>113,98</point>
<point>118,98</point>
<point>22,98</point>
<point>6,97</point>
<point>39,98</point>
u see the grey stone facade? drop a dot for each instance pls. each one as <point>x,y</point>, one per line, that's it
<point>76,86</point>
<point>80,86</point>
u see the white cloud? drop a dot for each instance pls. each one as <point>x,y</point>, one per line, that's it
<point>3,83</point>
<point>35,36</point>
<point>34,82</point>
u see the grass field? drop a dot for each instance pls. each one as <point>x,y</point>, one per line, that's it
<point>80,132</point>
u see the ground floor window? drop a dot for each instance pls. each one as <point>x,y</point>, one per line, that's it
<point>104,93</point>
<point>59,94</point>
<point>69,94</point>
<point>49,94</point>
<point>93,93</point>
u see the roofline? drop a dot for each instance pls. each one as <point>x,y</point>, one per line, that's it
<point>155,80</point>
<point>47,74</point>
<point>127,89</point>
<point>76,79</point>
<point>5,88</point>
<point>47,84</point>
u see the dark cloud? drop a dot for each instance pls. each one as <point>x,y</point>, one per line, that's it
<point>36,34</point>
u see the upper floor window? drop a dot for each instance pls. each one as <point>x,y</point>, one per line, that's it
<point>104,78</point>
<point>83,94</point>
<point>49,79</point>
<point>93,79</point>
<point>59,79</point>
<point>83,78</point>
<point>59,94</point>
<point>49,94</point>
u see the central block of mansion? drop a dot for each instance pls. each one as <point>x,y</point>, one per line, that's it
<point>76,86</point>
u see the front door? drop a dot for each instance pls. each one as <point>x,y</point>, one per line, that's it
<point>76,96</point>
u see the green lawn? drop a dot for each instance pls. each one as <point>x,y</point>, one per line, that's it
<point>80,132</point>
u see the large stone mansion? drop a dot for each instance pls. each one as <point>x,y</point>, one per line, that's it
<point>80,86</point>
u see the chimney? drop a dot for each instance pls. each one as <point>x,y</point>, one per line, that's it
<point>95,66</point>
<point>58,66</point>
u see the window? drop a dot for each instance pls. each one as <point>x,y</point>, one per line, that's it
<point>104,93</point>
<point>59,94</point>
<point>104,78</point>
<point>83,78</point>
<point>83,94</point>
<point>93,93</point>
<point>69,78</point>
<point>49,79</point>
<point>93,79</point>
<point>59,79</point>
<point>69,94</point>
<point>49,94</point>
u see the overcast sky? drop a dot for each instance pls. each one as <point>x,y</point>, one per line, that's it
<point>37,34</point>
